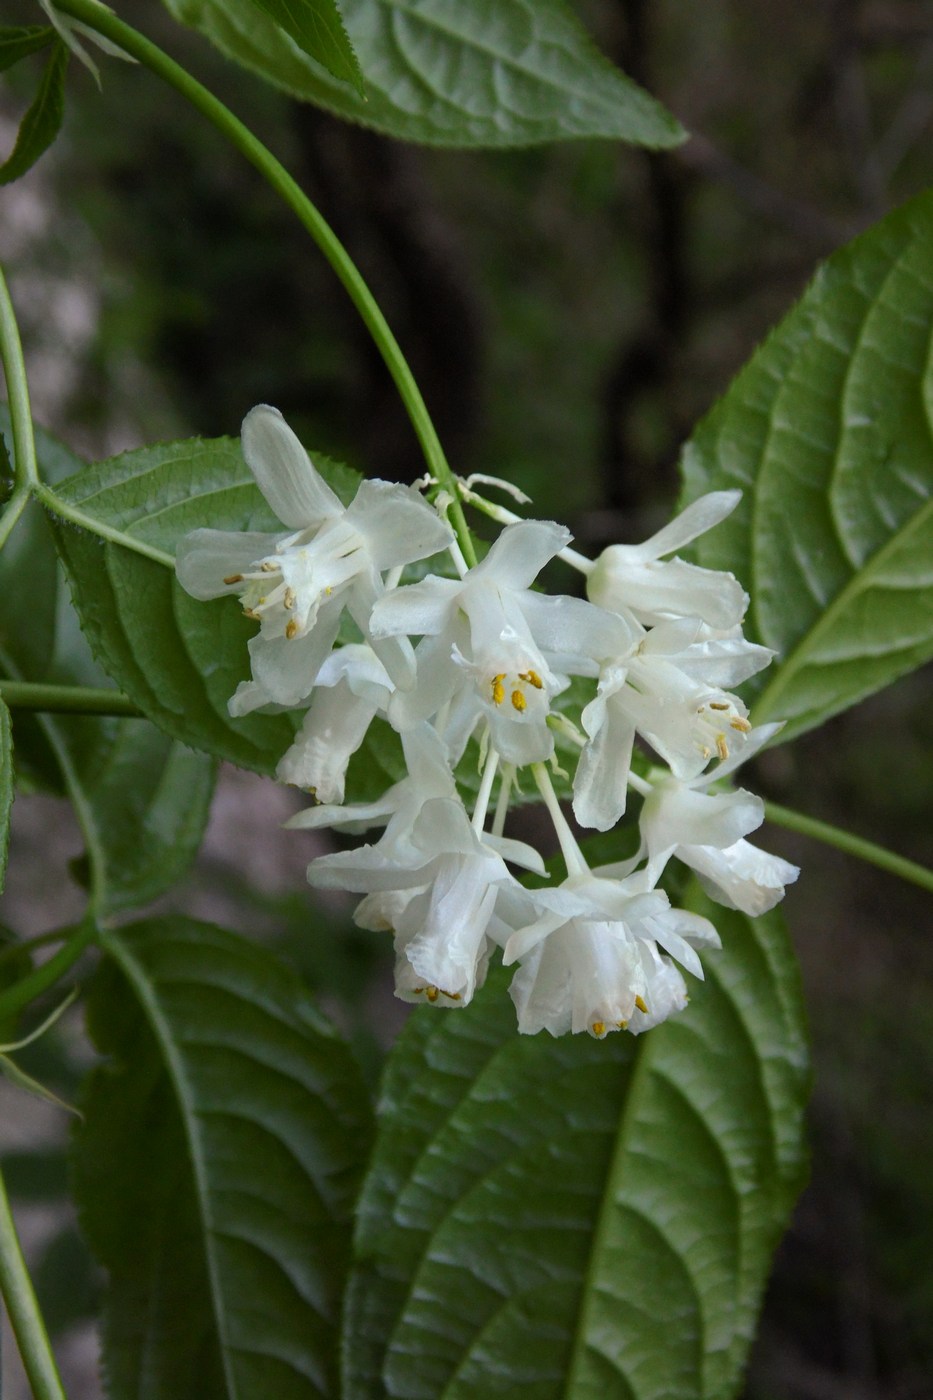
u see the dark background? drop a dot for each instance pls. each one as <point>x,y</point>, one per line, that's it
<point>570,312</point>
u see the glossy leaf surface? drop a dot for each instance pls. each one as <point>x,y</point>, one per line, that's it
<point>215,1169</point>
<point>488,73</point>
<point>142,798</point>
<point>178,658</point>
<point>574,1218</point>
<point>828,431</point>
<point>317,29</point>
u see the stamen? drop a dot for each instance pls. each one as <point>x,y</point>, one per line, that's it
<point>599,1029</point>
<point>642,1005</point>
<point>742,725</point>
<point>498,689</point>
<point>291,630</point>
<point>718,705</point>
<point>519,702</point>
<point>622,1025</point>
<point>431,993</point>
<point>722,748</point>
<point>288,602</point>
<point>252,614</point>
<point>268,567</point>
<point>532,678</point>
<point>233,578</point>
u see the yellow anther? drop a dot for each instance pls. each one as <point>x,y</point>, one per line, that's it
<point>519,702</point>
<point>268,567</point>
<point>288,601</point>
<point>328,591</point>
<point>498,689</point>
<point>454,996</point>
<point>291,631</point>
<point>722,748</point>
<point>718,705</point>
<point>706,751</point>
<point>532,678</point>
<point>251,614</point>
<point>431,994</point>
<point>599,1029</point>
<point>622,1025</point>
<point>742,725</point>
<point>233,578</point>
<point>642,1005</point>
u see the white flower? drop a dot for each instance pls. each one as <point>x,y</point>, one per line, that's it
<point>489,641</point>
<point>454,874</point>
<point>591,962</point>
<point>632,579</point>
<point>298,584</point>
<point>669,690</point>
<point>706,831</point>
<point>352,687</point>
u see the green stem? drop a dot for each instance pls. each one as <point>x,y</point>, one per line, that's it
<point>23,1308</point>
<point>25,471</point>
<point>135,44</point>
<point>14,999</point>
<point>852,845</point>
<point>66,699</point>
<point>12,512</point>
<point>66,511</point>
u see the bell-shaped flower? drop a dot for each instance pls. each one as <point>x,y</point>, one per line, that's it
<point>707,830</point>
<point>454,874</point>
<point>296,585</point>
<point>352,687</point>
<point>488,643</point>
<point>636,580</point>
<point>597,957</point>
<point>669,690</point>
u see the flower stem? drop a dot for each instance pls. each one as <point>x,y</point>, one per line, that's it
<point>574,859</point>
<point>23,1308</point>
<point>852,845</point>
<point>243,140</point>
<point>66,699</point>
<point>485,790</point>
<point>25,471</point>
<point>15,998</point>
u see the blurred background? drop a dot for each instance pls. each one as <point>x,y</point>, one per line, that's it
<point>570,313</point>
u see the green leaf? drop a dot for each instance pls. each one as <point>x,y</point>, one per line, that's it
<point>485,73</point>
<point>142,799</point>
<point>571,1218</point>
<point>216,1169</point>
<point>179,659</point>
<point>6,786</point>
<point>43,120</point>
<point>317,29</point>
<point>16,41</point>
<point>827,431</point>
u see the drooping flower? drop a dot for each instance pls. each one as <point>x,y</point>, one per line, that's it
<point>669,689</point>
<point>351,687</point>
<point>453,874</point>
<point>488,643</point>
<point>707,830</point>
<point>597,956</point>
<point>635,579</point>
<point>297,585</point>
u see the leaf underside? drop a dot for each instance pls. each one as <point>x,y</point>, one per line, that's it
<point>317,29</point>
<point>491,73</point>
<point>574,1218</point>
<point>215,1169</point>
<point>828,432</point>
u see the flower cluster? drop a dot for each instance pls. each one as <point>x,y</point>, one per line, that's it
<point>479,655</point>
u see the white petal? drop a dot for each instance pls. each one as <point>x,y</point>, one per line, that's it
<point>204,558</point>
<point>521,552</point>
<point>331,732</point>
<point>298,495</point>
<point>415,609</point>
<point>573,627</point>
<point>742,876</point>
<point>397,525</point>
<point>600,785</point>
<point>700,516</point>
<point>287,668</point>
